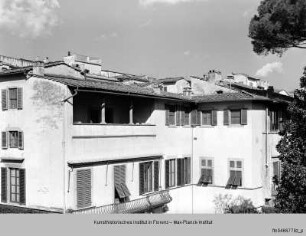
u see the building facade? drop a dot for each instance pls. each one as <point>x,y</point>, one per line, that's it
<point>73,141</point>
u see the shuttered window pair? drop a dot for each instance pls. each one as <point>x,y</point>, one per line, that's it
<point>122,192</point>
<point>180,115</point>
<point>235,177</point>
<point>235,116</point>
<point>83,187</point>
<point>183,171</point>
<point>12,98</point>
<point>170,173</point>
<point>12,139</point>
<point>206,172</point>
<point>148,177</point>
<point>13,185</point>
<point>209,117</point>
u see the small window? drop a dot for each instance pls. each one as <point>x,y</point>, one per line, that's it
<point>236,116</point>
<point>171,115</point>
<point>13,98</point>
<point>145,177</point>
<point>206,168</point>
<point>172,173</point>
<point>235,174</point>
<point>13,139</point>
<point>206,117</point>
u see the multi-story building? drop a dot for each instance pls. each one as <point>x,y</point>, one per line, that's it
<point>82,142</point>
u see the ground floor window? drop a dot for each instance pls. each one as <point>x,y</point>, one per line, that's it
<point>170,173</point>
<point>13,185</point>
<point>83,187</point>
<point>122,192</point>
<point>183,171</point>
<point>206,168</point>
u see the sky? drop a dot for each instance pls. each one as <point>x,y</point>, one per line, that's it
<point>159,38</point>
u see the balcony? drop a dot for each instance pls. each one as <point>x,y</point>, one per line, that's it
<point>141,205</point>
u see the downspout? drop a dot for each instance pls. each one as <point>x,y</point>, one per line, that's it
<point>266,126</point>
<point>192,160</point>
<point>64,147</point>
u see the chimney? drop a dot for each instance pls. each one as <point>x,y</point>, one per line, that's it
<point>214,76</point>
<point>46,60</point>
<point>69,54</point>
<point>39,68</point>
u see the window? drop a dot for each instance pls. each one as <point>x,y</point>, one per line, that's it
<point>12,139</point>
<point>275,120</point>
<point>11,98</point>
<point>122,192</point>
<point>209,117</point>
<point>276,175</point>
<point>83,188</point>
<point>13,185</point>
<point>170,114</point>
<point>170,173</point>
<point>235,116</point>
<point>235,174</point>
<point>186,116</point>
<point>183,171</point>
<point>206,167</point>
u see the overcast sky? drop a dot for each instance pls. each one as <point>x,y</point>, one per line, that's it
<point>155,37</point>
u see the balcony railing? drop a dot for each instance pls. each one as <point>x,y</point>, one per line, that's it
<point>140,205</point>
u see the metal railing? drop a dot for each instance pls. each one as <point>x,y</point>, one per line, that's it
<point>140,205</point>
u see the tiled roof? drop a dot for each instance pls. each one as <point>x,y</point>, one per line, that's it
<point>226,97</point>
<point>114,87</point>
<point>171,79</point>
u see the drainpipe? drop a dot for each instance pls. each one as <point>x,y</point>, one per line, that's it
<point>266,126</point>
<point>192,160</point>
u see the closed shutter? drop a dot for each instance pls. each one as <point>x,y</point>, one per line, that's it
<point>188,170</point>
<point>167,174</point>
<point>119,179</point>
<point>167,114</point>
<point>193,117</point>
<point>226,117</point>
<point>4,140</point>
<point>83,188</point>
<point>178,116</point>
<point>156,175</point>
<point>214,120</point>
<point>198,117</point>
<point>141,178</point>
<point>19,98</point>
<point>179,172</point>
<point>244,116</point>
<point>276,170</point>
<point>22,186</point>
<point>4,99</point>
<point>20,140</point>
<point>3,184</point>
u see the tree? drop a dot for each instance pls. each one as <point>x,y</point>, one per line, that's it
<point>291,192</point>
<point>279,25</point>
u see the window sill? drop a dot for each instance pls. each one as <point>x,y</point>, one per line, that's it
<point>207,126</point>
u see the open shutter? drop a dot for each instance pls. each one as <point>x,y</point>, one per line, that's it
<point>119,178</point>
<point>167,174</point>
<point>4,140</point>
<point>83,188</point>
<point>156,175</point>
<point>22,186</point>
<point>167,114</point>
<point>3,184</point>
<point>4,99</point>
<point>226,117</point>
<point>244,116</point>
<point>20,140</point>
<point>19,98</point>
<point>214,120</point>
<point>141,178</point>
<point>238,179</point>
<point>178,116</point>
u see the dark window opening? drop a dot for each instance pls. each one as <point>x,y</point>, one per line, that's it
<point>13,98</point>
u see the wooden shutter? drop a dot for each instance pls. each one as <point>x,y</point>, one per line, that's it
<point>4,140</point>
<point>178,116</point>
<point>281,120</point>
<point>22,180</point>
<point>3,184</point>
<point>188,170</point>
<point>119,179</point>
<point>244,116</point>
<point>20,140</point>
<point>179,172</point>
<point>167,114</point>
<point>238,178</point>
<point>4,98</point>
<point>193,117</point>
<point>226,117</point>
<point>83,188</point>
<point>19,98</point>
<point>141,178</point>
<point>156,175</point>
<point>198,117</point>
<point>167,174</point>
<point>214,120</point>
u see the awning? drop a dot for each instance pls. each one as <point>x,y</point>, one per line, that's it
<point>11,160</point>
